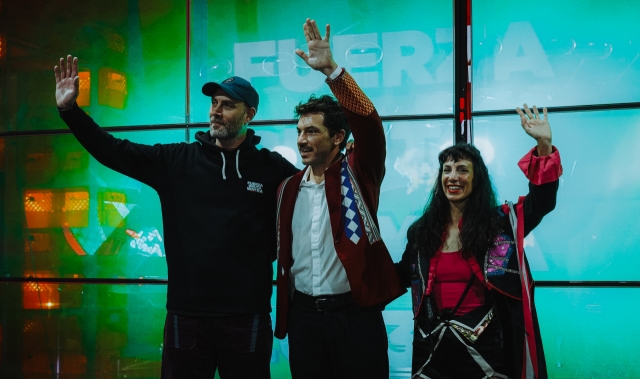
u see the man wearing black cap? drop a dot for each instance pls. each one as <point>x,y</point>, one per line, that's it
<point>234,102</point>
<point>218,209</point>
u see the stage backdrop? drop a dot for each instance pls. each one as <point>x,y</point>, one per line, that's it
<point>65,216</point>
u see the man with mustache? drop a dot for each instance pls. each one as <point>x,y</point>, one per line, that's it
<point>218,212</point>
<point>334,271</point>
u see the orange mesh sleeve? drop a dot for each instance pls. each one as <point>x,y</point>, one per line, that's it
<point>349,94</point>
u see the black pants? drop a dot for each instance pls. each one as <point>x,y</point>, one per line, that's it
<point>348,342</point>
<point>239,346</point>
<point>451,359</point>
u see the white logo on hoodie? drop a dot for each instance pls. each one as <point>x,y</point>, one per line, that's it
<point>254,187</point>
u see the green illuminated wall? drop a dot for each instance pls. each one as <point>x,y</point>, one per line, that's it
<point>65,217</point>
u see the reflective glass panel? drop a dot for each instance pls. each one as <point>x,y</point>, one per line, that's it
<point>576,343</point>
<point>593,233</point>
<point>67,215</point>
<point>131,61</point>
<point>90,331</point>
<point>400,57</point>
<point>555,53</point>
<point>81,330</point>
<point>411,169</point>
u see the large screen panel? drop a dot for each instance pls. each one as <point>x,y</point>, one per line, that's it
<point>73,330</point>
<point>411,169</point>
<point>593,233</point>
<point>66,215</point>
<point>81,330</point>
<point>132,61</point>
<point>575,343</point>
<point>541,55</point>
<point>401,57</point>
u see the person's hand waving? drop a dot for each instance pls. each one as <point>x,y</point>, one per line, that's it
<point>319,56</point>
<point>67,83</point>
<point>537,127</point>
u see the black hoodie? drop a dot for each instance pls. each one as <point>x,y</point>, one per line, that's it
<point>218,212</point>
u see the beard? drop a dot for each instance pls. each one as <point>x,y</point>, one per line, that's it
<point>230,130</point>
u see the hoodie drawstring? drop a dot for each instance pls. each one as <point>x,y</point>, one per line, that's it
<point>237,164</point>
<point>224,164</point>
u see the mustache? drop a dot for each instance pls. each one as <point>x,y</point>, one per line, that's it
<point>217,120</point>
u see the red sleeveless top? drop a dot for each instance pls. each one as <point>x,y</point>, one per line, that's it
<point>452,273</point>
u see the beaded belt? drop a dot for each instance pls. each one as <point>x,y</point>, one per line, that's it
<point>322,303</point>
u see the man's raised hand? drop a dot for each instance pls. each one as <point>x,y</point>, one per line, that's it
<point>67,83</point>
<point>319,56</point>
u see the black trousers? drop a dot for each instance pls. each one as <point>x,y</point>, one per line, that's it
<point>349,342</point>
<point>238,346</point>
<point>451,359</point>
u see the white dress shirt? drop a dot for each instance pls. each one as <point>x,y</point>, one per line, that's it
<point>316,269</point>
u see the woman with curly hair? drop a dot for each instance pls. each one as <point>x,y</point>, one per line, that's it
<point>472,291</point>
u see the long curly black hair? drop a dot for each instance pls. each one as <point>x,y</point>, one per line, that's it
<point>481,222</point>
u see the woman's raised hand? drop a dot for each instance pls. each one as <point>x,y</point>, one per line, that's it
<point>537,127</point>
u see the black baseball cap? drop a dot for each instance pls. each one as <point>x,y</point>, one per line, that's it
<point>237,88</point>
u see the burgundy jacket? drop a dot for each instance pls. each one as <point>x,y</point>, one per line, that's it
<point>369,267</point>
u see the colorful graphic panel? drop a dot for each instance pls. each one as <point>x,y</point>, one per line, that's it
<point>66,215</point>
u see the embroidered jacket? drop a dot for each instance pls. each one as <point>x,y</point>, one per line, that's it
<point>504,269</point>
<point>366,260</point>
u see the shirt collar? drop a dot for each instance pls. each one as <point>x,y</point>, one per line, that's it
<point>306,179</point>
